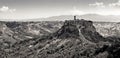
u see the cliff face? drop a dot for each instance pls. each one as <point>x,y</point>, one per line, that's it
<point>75,39</point>
<point>81,29</point>
<point>107,29</point>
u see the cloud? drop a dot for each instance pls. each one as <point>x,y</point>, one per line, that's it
<point>6,9</point>
<point>98,4</point>
<point>117,4</point>
<point>76,11</point>
<point>102,5</point>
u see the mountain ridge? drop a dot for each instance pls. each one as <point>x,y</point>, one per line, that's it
<point>92,17</point>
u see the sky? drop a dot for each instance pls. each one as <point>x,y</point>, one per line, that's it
<point>28,9</point>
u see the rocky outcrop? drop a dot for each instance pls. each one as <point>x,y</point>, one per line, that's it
<point>82,29</point>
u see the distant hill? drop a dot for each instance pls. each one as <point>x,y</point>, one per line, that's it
<point>92,17</point>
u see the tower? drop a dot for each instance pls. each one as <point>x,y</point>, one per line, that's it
<point>74,17</point>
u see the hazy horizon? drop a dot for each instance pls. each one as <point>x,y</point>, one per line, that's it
<point>29,9</point>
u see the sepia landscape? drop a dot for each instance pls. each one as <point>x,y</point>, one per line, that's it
<point>60,29</point>
<point>76,38</point>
